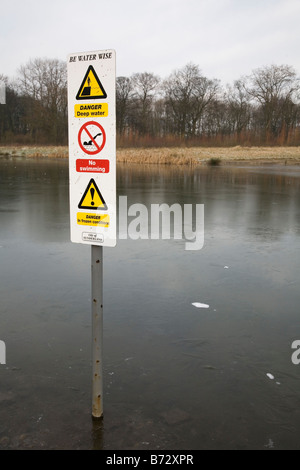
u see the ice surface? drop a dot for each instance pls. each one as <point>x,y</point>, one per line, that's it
<point>199,305</point>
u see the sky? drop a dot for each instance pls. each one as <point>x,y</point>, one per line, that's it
<point>227,39</point>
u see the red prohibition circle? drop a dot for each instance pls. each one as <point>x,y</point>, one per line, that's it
<point>92,139</point>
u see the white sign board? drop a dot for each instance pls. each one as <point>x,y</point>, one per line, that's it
<point>2,93</point>
<point>92,147</point>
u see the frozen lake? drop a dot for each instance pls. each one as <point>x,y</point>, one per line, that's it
<point>214,375</point>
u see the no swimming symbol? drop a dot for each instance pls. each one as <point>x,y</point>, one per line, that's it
<point>91,137</point>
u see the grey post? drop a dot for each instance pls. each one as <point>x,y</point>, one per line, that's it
<point>97,331</point>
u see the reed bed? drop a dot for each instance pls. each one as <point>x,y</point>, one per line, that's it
<point>210,155</point>
<point>174,156</point>
<point>34,152</point>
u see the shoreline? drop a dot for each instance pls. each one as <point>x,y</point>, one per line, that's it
<point>192,156</point>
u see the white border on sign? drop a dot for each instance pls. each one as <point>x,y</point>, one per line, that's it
<point>104,64</point>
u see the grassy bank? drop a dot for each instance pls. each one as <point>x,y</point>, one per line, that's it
<point>177,156</point>
<point>211,155</point>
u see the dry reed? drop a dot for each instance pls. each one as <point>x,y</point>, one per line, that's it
<point>176,156</point>
<point>204,155</point>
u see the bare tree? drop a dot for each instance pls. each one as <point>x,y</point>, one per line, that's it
<point>124,87</point>
<point>274,88</point>
<point>3,81</point>
<point>188,93</point>
<point>12,121</point>
<point>145,85</point>
<point>239,108</point>
<point>44,83</point>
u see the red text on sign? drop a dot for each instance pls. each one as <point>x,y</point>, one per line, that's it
<point>92,166</point>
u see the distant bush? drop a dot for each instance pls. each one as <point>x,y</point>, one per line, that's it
<point>214,161</point>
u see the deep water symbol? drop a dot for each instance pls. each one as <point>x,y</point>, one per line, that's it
<point>87,90</point>
<point>92,194</point>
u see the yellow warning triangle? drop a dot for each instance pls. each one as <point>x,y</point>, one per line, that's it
<point>91,87</point>
<point>92,198</point>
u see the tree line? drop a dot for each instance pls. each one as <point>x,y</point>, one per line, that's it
<point>186,108</point>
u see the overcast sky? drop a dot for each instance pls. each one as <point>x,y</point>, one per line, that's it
<point>226,38</point>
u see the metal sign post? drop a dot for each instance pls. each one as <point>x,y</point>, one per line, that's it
<point>97,331</point>
<point>92,175</point>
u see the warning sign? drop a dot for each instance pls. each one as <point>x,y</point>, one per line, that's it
<point>93,220</point>
<point>92,166</point>
<point>92,147</point>
<point>92,198</point>
<point>91,137</point>
<point>90,110</point>
<point>91,87</point>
